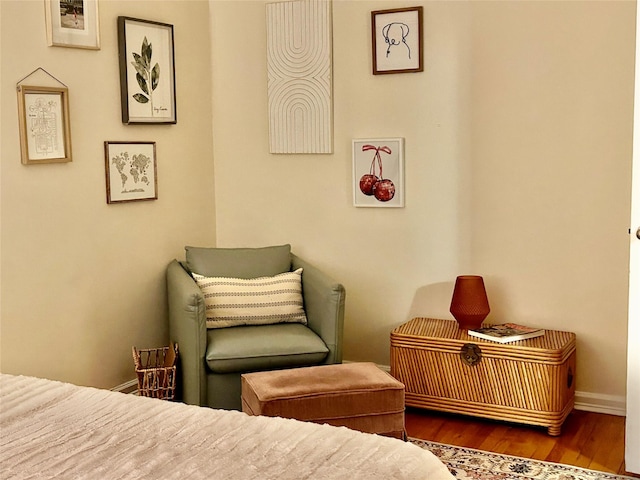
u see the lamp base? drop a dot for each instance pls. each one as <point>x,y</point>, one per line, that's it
<point>469,322</point>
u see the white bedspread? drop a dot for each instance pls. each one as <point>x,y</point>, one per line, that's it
<point>57,430</point>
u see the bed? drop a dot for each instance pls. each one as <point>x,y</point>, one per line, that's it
<point>50,429</point>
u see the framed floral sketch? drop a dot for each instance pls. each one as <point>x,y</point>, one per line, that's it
<point>397,40</point>
<point>147,71</point>
<point>45,133</point>
<point>73,23</point>
<point>131,172</point>
<point>378,172</point>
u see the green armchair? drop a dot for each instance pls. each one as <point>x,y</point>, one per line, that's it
<point>212,359</point>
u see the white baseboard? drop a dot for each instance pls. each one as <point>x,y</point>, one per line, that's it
<point>127,387</point>
<point>586,401</point>
<point>599,403</point>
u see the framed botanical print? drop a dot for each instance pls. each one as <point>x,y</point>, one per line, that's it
<point>147,71</point>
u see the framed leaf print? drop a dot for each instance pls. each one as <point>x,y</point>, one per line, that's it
<point>147,71</point>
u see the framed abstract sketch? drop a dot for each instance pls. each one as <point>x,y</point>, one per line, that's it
<point>45,133</point>
<point>378,172</point>
<point>73,23</point>
<point>397,40</point>
<point>131,172</point>
<point>147,71</point>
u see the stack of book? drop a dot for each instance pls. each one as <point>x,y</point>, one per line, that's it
<point>506,332</point>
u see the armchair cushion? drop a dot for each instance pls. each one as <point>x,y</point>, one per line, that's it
<point>239,262</point>
<point>231,302</point>
<point>263,347</point>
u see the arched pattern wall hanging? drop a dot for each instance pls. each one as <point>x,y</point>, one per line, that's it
<point>300,77</point>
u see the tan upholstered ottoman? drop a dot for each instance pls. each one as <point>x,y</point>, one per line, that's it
<point>359,396</point>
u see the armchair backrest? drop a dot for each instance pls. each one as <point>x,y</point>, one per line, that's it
<point>239,262</point>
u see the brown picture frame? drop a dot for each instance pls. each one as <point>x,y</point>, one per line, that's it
<point>147,71</point>
<point>131,171</point>
<point>45,127</point>
<point>396,40</point>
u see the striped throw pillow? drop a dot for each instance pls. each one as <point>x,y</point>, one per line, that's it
<point>231,302</point>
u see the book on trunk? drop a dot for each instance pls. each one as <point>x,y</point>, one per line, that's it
<point>506,332</point>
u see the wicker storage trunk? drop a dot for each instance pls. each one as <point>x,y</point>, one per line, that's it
<point>443,368</point>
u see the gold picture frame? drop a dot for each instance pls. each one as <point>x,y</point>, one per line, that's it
<point>45,133</point>
<point>73,23</point>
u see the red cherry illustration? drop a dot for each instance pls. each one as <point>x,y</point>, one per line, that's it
<point>384,190</point>
<point>381,188</point>
<point>367,183</point>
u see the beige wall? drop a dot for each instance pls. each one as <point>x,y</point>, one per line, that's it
<point>553,110</point>
<point>83,281</point>
<point>518,154</point>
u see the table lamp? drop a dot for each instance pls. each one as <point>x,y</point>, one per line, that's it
<point>469,304</point>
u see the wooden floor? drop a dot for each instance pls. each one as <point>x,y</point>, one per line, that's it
<point>589,440</point>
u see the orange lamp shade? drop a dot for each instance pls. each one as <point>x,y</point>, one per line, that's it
<point>469,304</point>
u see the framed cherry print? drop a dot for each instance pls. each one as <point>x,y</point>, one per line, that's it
<point>378,172</point>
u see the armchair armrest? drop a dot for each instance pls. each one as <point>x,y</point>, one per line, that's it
<point>187,328</point>
<point>324,305</point>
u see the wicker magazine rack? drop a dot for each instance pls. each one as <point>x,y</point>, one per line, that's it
<point>156,371</point>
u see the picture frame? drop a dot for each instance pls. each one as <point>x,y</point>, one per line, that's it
<point>73,23</point>
<point>147,71</point>
<point>131,171</point>
<point>378,172</point>
<point>397,40</point>
<point>45,132</point>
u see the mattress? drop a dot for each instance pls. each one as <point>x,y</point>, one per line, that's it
<point>50,429</point>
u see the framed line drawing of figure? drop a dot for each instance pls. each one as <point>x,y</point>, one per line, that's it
<point>397,40</point>
<point>45,132</point>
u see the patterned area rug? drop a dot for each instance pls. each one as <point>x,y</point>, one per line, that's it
<point>470,464</point>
